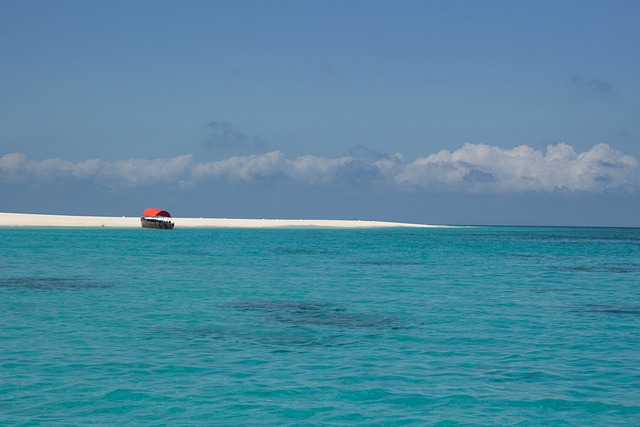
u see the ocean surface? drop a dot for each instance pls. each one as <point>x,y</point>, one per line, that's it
<point>478,326</point>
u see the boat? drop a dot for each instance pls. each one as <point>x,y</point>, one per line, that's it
<point>156,218</point>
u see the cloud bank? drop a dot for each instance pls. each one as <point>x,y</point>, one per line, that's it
<point>473,169</point>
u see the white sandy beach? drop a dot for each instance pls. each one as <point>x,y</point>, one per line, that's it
<point>41,220</point>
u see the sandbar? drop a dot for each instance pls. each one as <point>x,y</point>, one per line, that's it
<point>43,220</point>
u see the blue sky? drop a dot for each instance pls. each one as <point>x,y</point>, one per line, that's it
<point>494,112</point>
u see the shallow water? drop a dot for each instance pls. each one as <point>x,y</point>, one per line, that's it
<point>460,326</point>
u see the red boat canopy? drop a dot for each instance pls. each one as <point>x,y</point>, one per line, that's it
<point>155,212</point>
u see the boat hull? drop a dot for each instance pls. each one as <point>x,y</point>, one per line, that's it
<point>156,223</point>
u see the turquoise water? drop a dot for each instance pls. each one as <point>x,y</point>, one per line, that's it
<point>461,326</point>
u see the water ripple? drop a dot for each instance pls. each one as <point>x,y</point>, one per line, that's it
<point>52,283</point>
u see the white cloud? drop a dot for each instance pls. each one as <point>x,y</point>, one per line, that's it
<point>478,168</point>
<point>473,168</point>
<point>17,167</point>
<point>305,169</point>
<point>134,172</point>
<point>315,170</point>
<point>246,168</point>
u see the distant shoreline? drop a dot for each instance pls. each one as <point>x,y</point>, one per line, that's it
<point>44,220</point>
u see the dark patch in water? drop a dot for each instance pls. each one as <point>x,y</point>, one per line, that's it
<point>52,283</point>
<point>542,256</point>
<point>625,268</point>
<point>525,256</point>
<point>612,309</point>
<point>585,236</point>
<point>318,314</point>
